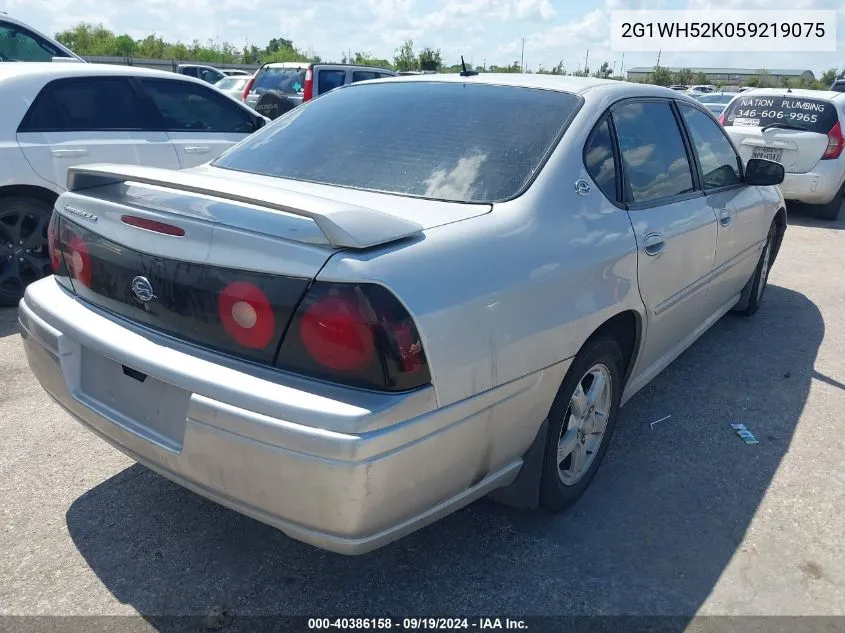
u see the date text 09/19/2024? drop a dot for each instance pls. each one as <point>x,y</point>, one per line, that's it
<point>416,624</point>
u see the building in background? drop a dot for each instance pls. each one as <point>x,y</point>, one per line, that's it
<point>738,76</point>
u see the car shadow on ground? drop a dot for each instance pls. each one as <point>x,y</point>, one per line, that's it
<point>8,322</point>
<point>805,215</point>
<point>664,516</point>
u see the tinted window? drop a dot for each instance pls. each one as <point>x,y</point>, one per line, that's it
<point>190,71</point>
<point>85,104</point>
<point>330,79</point>
<point>364,75</point>
<point>187,106</point>
<point>598,158</point>
<point>813,115</point>
<point>838,86</point>
<point>20,45</point>
<point>210,75</point>
<point>452,141</point>
<point>286,80</point>
<point>719,163</point>
<point>653,154</point>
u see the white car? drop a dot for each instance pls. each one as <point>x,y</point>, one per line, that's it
<point>56,116</point>
<point>19,42</point>
<point>802,129</point>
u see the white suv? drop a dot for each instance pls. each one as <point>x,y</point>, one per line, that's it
<point>802,129</point>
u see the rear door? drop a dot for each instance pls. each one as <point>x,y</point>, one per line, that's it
<point>81,120</point>
<point>674,225</point>
<point>740,209</point>
<point>201,122</point>
<point>784,128</point>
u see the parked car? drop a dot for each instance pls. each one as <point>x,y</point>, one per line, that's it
<point>679,87</point>
<point>20,42</point>
<point>348,337</point>
<point>838,85</point>
<point>55,116</point>
<point>233,86</point>
<point>208,74</point>
<point>716,102</point>
<point>802,129</point>
<point>277,88</point>
<point>701,88</point>
<point>235,72</point>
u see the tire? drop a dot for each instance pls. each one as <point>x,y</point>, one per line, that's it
<point>273,104</point>
<point>562,482</point>
<point>830,211</point>
<point>752,294</point>
<point>24,255</point>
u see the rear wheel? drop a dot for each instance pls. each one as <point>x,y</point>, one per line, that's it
<point>24,255</point>
<point>581,423</point>
<point>830,211</point>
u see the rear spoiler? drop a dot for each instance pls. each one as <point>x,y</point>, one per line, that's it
<point>344,225</point>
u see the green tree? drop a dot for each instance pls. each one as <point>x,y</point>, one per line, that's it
<point>89,39</point>
<point>686,77</point>
<point>430,59</point>
<point>604,71</point>
<point>784,82</point>
<point>554,70</point>
<point>125,45</point>
<point>765,77</point>
<point>368,59</point>
<point>404,57</point>
<point>754,82</point>
<point>661,77</point>
<point>828,76</point>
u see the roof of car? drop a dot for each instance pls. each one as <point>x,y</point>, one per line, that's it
<point>796,92</point>
<point>56,70</point>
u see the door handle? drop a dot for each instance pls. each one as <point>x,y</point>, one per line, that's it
<point>654,244</point>
<point>197,149</point>
<point>68,153</point>
<point>725,217</point>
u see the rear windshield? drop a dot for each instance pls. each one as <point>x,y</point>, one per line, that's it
<point>286,80</point>
<point>460,142</point>
<point>713,98</point>
<point>813,115</point>
<point>232,83</point>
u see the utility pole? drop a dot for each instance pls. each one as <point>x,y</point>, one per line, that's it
<point>658,58</point>
<point>622,69</point>
<point>522,58</point>
<point>586,63</point>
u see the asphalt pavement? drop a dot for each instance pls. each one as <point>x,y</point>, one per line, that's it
<point>683,518</point>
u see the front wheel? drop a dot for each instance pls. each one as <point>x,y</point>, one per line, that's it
<point>581,423</point>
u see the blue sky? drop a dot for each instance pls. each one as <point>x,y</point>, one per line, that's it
<point>481,30</point>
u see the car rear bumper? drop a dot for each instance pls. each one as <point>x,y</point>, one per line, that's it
<point>253,446</point>
<point>818,186</point>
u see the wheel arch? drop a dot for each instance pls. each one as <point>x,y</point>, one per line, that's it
<point>780,226</point>
<point>43,194</point>
<point>626,329</point>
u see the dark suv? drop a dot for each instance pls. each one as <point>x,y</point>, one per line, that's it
<point>279,87</point>
<point>838,85</point>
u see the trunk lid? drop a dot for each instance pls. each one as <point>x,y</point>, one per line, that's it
<point>791,130</point>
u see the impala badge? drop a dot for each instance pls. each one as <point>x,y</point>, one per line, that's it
<point>81,214</point>
<point>582,187</point>
<point>143,289</point>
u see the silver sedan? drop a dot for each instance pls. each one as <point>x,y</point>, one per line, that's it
<point>402,296</point>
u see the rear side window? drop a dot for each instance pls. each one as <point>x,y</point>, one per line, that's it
<point>653,154</point>
<point>187,106</point>
<point>20,45</point>
<point>330,79</point>
<point>812,115</point>
<point>85,104</point>
<point>364,75</point>
<point>190,71</point>
<point>599,160</point>
<point>448,141</point>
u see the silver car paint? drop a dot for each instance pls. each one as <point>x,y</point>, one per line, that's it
<point>503,301</point>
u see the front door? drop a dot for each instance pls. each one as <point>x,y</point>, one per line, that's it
<point>201,121</point>
<point>740,209</point>
<point>674,226</point>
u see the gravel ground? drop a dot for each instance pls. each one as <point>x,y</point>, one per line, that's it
<point>682,519</point>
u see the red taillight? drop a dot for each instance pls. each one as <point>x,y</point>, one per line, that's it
<point>336,335</point>
<point>246,314</point>
<point>77,258</point>
<point>248,87</point>
<point>835,143</point>
<point>152,225</point>
<point>357,334</point>
<point>308,88</point>
<point>53,243</point>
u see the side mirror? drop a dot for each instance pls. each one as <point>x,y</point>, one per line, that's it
<point>761,172</point>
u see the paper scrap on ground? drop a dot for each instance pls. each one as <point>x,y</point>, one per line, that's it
<point>746,435</point>
<point>660,420</point>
